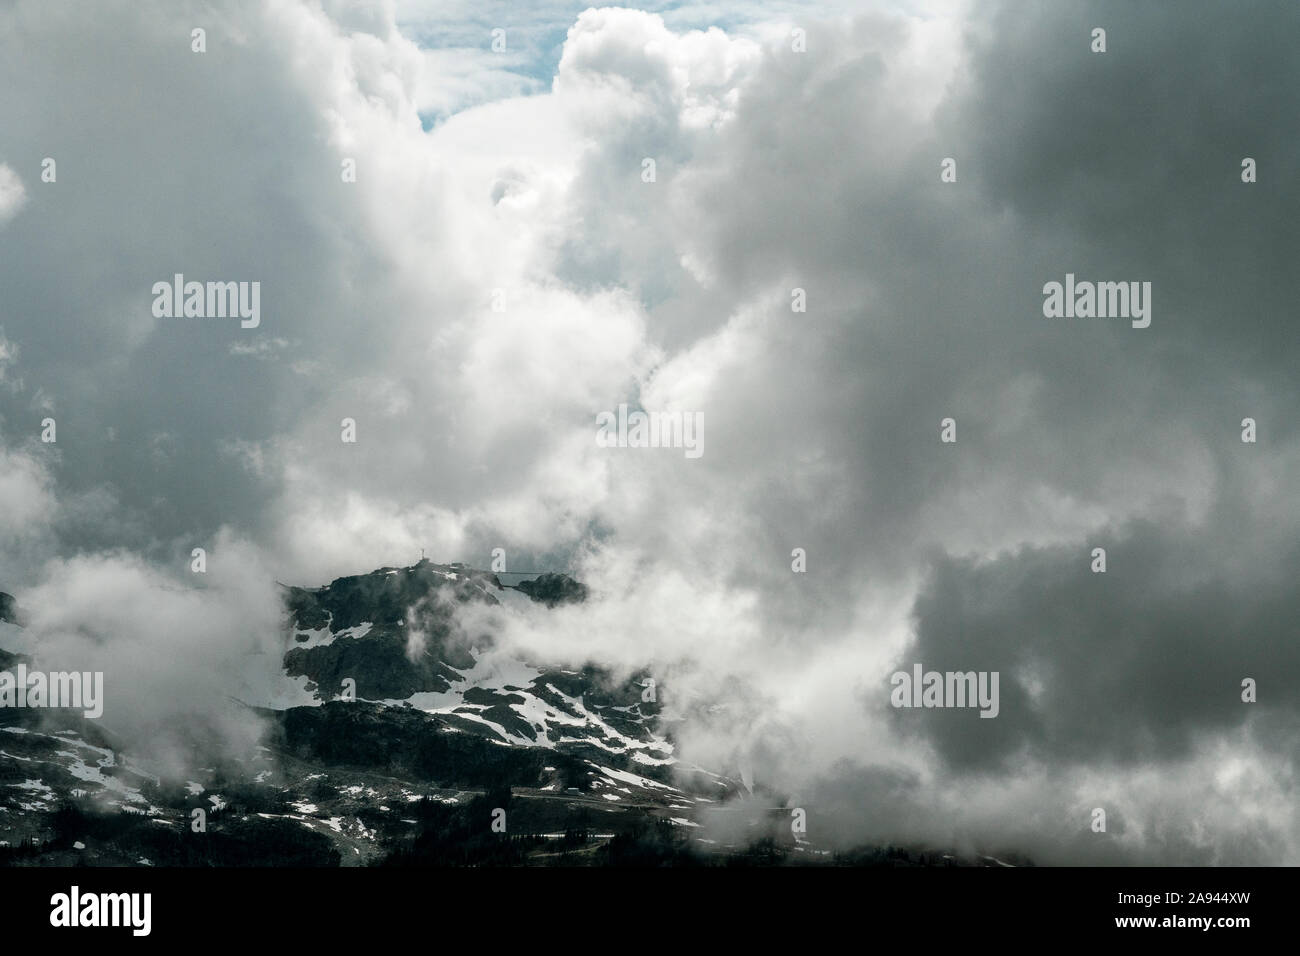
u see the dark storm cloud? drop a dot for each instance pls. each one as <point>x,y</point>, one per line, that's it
<point>168,161</point>
<point>1127,164</point>
<point>1132,665</point>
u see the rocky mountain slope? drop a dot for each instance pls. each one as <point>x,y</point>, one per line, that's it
<point>400,739</point>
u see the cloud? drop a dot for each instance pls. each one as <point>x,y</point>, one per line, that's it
<point>176,650</point>
<point>27,512</point>
<point>12,193</point>
<point>500,273</point>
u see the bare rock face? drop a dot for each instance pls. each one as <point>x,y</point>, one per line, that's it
<point>10,611</point>
<point>554,589</point>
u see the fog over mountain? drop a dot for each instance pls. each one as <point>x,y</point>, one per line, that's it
<point>499,272</point>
